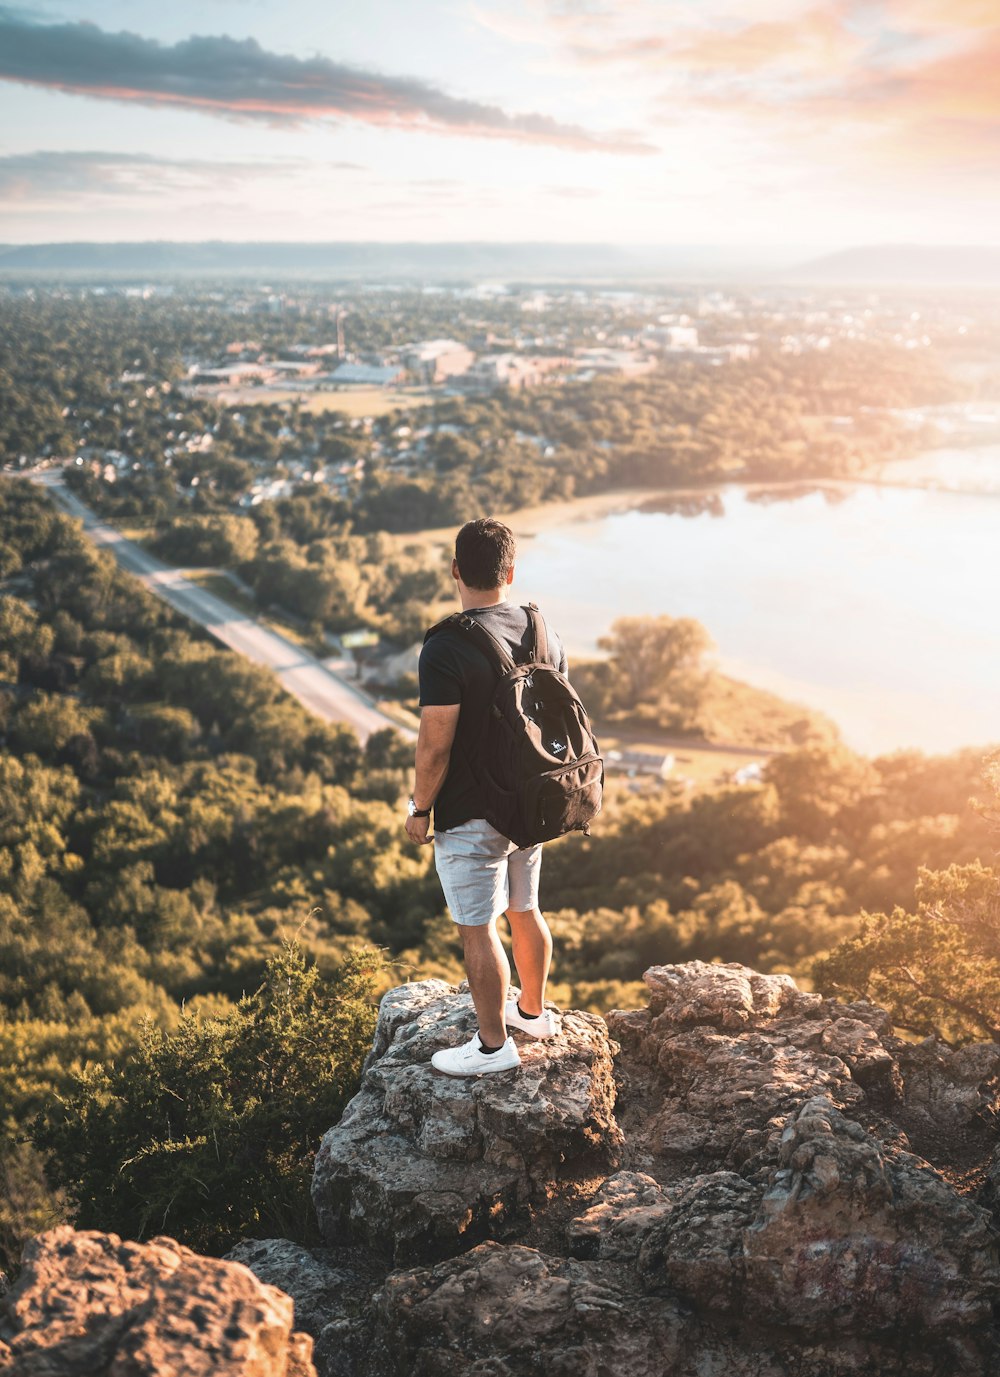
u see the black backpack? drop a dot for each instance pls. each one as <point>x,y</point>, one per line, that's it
<point>536,763</point>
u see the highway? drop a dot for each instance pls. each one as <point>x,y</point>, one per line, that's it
<point>315,686</point>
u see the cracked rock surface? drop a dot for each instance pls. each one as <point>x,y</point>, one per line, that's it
<point>423,1165</point>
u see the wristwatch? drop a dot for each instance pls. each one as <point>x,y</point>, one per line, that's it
<point>416,812</point>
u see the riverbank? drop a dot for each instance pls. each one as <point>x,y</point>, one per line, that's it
<point>528,522</point>
<point>869,603</point>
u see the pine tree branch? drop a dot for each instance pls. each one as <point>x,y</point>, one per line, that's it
<point>977,1016</point>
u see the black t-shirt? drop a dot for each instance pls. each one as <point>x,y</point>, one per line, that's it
<point>454,670</point>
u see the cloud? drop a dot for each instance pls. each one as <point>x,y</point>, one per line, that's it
<point>630,28</point>
<point>906,90</point>
<point>936,15</point>
<point>815,43</point>
<point>908,115</point>
<point>239,79</point>
<point>715,40</point>
<point>53,175</point>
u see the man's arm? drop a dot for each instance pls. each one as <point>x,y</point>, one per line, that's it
<point>437,732</point>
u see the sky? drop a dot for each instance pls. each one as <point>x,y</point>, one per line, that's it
<point>819,123</point>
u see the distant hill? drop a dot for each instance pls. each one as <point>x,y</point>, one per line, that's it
<point>906,263</point>
<point>882,264</point>
<point>433,262</point>
<point>349,258</point>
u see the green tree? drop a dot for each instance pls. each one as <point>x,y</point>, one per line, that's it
<point>937,969</point>
<point>47,722</point>
<point>217,539</point>
<point>822,788</point>
<point>656,663</point>
<point>20,635</point>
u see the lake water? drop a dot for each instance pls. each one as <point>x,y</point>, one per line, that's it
<point>877,605</point>
<point>953,469</point>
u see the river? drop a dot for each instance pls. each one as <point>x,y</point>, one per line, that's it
<point>877,605</point>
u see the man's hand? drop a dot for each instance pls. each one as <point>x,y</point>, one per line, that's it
<point>417,830</point>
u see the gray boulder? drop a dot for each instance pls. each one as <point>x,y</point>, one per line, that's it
<point>324,1283</point>
<point>989,1193</point>
<point>852,1237</point>
<point>423,1165</point>
<point>731,1052</point>
<point>838,1238</point>
<point>948,1089</point>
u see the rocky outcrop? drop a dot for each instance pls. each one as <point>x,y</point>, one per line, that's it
<point>834,1239</point>
<point>949,1090</point>
<point>423,1166</point>
<point>742,1179</point>
<point>90,1304</point>
<point>511,1311</point>
<point>777,1195</point>
<point>731,1051</point>
<point>990,1193</point>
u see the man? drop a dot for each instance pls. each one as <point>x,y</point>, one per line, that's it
<point>482,873</point>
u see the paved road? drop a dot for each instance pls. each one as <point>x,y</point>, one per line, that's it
<point>315,686</point>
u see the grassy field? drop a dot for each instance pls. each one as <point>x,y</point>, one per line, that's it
<point>398,712</point>
<point>140,534</point>
<point>214,582</point>
<point>736,712</point>
<point>704,765</point>
<point>352,401</point>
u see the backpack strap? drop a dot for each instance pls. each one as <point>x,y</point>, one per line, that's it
<point>440,626</point>
<point>500,658</point>
<point>541,650</point>
<point>495,651</point>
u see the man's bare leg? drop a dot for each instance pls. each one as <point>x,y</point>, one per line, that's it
<point>488,970</point>
<point>532,943</point>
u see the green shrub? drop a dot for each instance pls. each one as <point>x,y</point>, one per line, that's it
<point>936,970</point>
<point>208,1132</point>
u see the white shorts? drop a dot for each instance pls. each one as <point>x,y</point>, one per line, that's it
<point>483,874</point>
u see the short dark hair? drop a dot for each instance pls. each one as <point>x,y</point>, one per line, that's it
<point>485,551</point>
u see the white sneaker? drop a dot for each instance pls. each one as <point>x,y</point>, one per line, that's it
<point>546,1025</point>
<point>471,1060</point>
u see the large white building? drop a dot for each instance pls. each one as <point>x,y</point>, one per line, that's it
<point>433,360</point>
<point>235,373</point>
<point>369,374</point>
<point>632,365</point>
